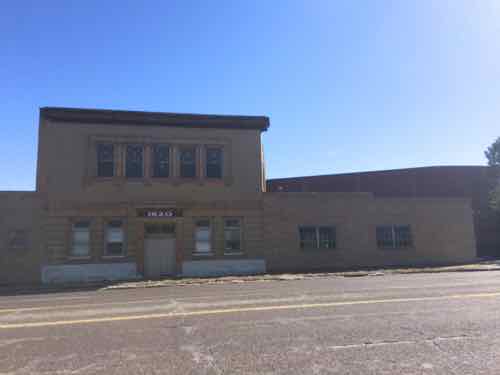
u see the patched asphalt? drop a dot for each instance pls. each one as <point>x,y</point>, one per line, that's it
<point>445,323</point>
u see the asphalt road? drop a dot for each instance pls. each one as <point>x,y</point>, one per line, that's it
<point>397,324</point>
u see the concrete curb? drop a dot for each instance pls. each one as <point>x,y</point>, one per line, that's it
<point>134,284</point>
<point>60,288</point>
<point>289,277</point>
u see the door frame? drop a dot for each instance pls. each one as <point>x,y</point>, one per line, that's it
<point>178,235</point>
<point>160,256</point>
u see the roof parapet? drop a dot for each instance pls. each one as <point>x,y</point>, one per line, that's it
<point>142,118</point>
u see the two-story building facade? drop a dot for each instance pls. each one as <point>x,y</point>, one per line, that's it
<point>147,193</point>
<point>124,195</point>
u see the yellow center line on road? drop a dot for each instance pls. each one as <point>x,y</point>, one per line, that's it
<point>178,298</point>
<point>117,303</point>
<point>242,310</point>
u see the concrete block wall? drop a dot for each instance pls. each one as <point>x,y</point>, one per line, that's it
<point>20,212</point>
<point>442,230</point>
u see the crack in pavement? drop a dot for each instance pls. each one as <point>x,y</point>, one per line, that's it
<point>435,341</point>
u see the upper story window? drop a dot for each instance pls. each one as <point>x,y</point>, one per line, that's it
<point>161,160</point>
<point>134,161</point>
<point>105,160</point>
<point>80,246</point>
<point>394,236</point>
<point>188,162</point>
<point>214,162</point>
<point>135,158</point>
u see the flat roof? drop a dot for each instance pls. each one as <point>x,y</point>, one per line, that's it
<point>386,172</point>
<point>142,118</point>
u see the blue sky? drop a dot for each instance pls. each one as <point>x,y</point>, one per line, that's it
<point>348,85</point>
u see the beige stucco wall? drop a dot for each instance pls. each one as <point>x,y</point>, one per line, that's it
<point>442,230</point>
<point>67,158</point>
<point>20,211</point>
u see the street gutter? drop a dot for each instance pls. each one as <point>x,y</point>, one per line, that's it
<point>137,284</point>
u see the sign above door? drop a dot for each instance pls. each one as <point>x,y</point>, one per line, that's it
<point>159,212</point>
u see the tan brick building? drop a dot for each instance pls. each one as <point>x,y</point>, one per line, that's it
<point>123,195</point>
<point>473,182</point>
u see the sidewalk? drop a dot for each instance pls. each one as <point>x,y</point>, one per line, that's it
<point>9,290</point>
<point>490,265</point>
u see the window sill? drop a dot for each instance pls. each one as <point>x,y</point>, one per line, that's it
<point>113,256</point>
<point>78,258</point>
<point>189,178</point>
<point>317,249</point>
<point>214,180</point>
<point>400,248</point>
<point>234,254</point>
<point>203,255</point>
<point>115,180</point>
<point>148,180</point>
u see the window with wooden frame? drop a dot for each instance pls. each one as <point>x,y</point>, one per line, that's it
<point>160,160</point>
<point>317,237</point>
<point>187,159</point>
<point>213,162</point>
<point>134,161</point>
<point>115,238</point>
<point>232,236</point>
<point>202,237</point>
<point>105,160</point>
<point>394,236</point>
<point>80,239</point>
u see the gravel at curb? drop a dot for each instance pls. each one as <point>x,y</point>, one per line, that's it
<point>289,277</point>
<point>138,284</point>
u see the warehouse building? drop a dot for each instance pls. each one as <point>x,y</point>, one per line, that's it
<point>473,182</point>
<point>125,195</point>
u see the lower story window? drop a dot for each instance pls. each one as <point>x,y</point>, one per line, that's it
<point>115,239</point>
<point>385,236</point>
<point>317,237</point>
<point>394,236</point>
<point>327,237</point>
<point>80,246</point>
<point>203,237</point>
<point>402,236</point>
<point>232,236</point>
<point>308,237</point>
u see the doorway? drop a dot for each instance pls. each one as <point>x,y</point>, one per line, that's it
<point>159,250</point>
